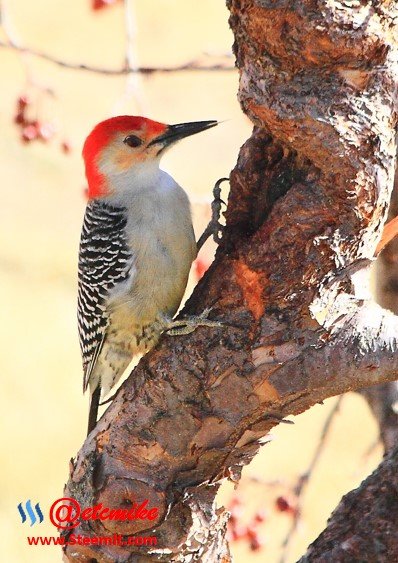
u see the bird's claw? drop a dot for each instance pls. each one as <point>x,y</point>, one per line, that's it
<point>216,210</point>
<point>189,324</point>
<point>214,228</point>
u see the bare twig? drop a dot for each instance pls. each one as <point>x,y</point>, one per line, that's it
<point>130,27</point>
<point>194,66</point>
<point>130,66</point>
<point>305,478</point>
<point>133,81</point>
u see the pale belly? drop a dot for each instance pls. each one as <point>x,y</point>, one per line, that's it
<point>162,243</point>
<point>138,312</point>
<point>120,346</point>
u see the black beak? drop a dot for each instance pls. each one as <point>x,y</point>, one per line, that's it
<point>176,132</point>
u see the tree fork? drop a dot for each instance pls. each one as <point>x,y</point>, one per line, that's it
<point>308,198</point>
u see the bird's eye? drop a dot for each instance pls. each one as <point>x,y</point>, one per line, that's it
<point>133,141</point>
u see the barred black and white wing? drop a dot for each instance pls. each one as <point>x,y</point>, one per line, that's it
<point>104,261</point>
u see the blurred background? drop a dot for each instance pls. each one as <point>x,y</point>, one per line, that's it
<point>46,110</point>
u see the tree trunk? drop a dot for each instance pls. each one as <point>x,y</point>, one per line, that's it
<point>308,197</point>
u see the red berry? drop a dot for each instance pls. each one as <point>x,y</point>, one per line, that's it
<point>251,532</point>
<point>238,532</point>
<point>29,133</point>
<point>46,131</point>
<point>20,118</point>
<point>256,543</point>
<point>260,515</point>
<point>65,147</point>
<point>235,500</point>
<point>23,101</point>
<point>99,4</point>
<point>236,511</point>
<point>282,504</point>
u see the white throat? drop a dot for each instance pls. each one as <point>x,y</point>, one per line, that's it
<point>140,180</point>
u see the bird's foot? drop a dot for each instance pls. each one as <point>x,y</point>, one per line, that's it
<point>214,228</point>
<point>189,324</point>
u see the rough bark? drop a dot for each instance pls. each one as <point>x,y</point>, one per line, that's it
<point>308,197</point>
<point>372,509</point>
<point>383,399</point>
<point>372,513</point>
<point>387,264</point>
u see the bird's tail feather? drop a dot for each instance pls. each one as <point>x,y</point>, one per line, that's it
<point>93,411</point>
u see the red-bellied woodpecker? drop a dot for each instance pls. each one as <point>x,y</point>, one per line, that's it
<point>137,246</point>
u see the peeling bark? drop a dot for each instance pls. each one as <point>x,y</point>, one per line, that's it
<point>308,197</point>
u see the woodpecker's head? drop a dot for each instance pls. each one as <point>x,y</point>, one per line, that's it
<point>121,146</point>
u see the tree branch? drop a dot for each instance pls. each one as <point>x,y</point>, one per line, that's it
<point>308,196</point>
<point>194,66</point>
<point>372,513</point>
<point>130,66</point>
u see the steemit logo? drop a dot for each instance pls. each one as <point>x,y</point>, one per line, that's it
<point>31,512</point>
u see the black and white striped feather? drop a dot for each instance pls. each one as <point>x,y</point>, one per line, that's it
<point>104,261</point>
